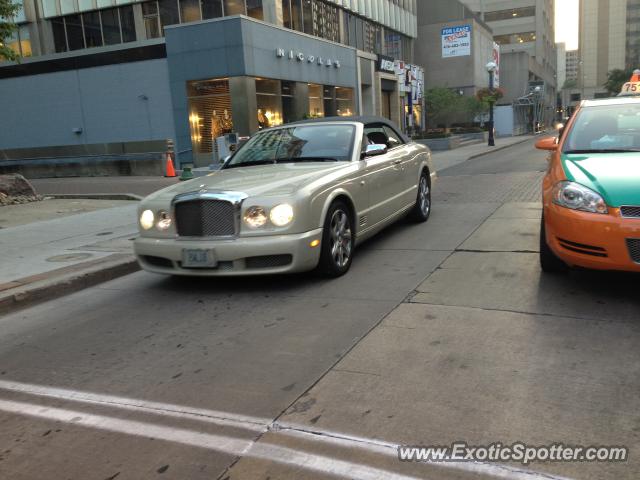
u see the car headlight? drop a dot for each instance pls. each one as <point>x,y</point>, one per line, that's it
<point>255,217</point>
<point>164,221</point>
<point>281,215</point>
<point>146,219</point>
<point>578,197</point>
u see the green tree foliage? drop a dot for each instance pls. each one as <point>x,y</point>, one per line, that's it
<point>615,79</point>
<point>7,27</point>
<point>443,106</point>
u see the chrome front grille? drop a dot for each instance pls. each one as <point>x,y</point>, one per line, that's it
<point>630,211</point>
<point>633,245</point>
<point>205,218</point>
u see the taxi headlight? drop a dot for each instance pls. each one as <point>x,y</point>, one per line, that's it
<point>281,215</point>
<point>255,217</point>
<point>146,219</point>
<point>164,221</point>
<point>578,197</point>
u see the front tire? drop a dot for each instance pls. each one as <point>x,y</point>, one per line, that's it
<point>549,261</point>
<point>422,209</point>
<point>337,241</point>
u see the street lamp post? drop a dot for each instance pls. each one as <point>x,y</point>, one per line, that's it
<point>491,68</point>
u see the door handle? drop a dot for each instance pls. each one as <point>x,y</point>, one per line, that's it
<point>397,162</point>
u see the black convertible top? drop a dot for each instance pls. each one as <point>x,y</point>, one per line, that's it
<point>356,118</point>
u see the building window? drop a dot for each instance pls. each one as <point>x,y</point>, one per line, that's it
<point>254,9</point>
<point>234,7</point>
<point>169,13</point>
<point>509,14</point>
<point>515,38</point>
<point>151,19</point>
<point>296,15</point>
<point>286,13</point>
<point>20,42</point>
<point>94,29</point>
<point>344,101</point>
<point>211,9</point>
<point>190,11</point>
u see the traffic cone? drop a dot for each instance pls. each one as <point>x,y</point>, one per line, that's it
<point>171,172</point>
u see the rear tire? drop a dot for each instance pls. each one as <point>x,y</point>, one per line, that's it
<point>549,261</point>
<point>337,241</point>
<point>422,209</point>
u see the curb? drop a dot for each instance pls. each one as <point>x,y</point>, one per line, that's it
<point>52,285</point>
<point>96,196</point>
<point>497,149</point>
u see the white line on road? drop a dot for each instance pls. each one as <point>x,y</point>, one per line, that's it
<point>226,444</point>
<point>166,409</point>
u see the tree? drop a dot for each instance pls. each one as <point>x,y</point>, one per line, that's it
<point>7,27</point>
<point>615,79</point>
<point>474,107</point>
<point>443,106</point>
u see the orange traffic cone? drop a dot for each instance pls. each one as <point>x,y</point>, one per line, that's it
<point>171,172</point>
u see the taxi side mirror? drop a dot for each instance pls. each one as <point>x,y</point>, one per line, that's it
<point>547,143</point>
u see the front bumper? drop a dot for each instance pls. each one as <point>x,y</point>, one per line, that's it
<point>240,256</point>
<point>591,240</point>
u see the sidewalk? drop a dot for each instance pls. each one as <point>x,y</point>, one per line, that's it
<point>69,251</point>
<point>451,158</point>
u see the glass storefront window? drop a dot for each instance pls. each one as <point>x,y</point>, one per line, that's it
<point>211,9</point>
<point>269,103</point>
<point>316,101</point>
<point>344,101</point>
<point>234,7</point>
<point>209,116</point>
<point>329,100</point>
<point>254,9</point>
<point>288,93</point>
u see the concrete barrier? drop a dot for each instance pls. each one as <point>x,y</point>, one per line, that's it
<point>150,164</point>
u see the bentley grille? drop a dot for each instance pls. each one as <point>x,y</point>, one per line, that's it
<point>633,244</point>
<point>205,218</point>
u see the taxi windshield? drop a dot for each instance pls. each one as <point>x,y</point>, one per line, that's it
<point>305,143</point>
<point>605,129</point>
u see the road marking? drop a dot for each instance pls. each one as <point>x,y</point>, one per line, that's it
<point>219,443</point>
<point>165,409</point>
<point>230,445</point>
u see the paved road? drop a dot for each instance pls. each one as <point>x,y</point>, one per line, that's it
<point>443,331</point>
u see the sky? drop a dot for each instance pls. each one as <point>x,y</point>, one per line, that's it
<point>567,23</point>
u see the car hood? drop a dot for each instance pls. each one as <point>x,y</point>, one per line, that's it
<point>615,176</point>
<point>263,180</point>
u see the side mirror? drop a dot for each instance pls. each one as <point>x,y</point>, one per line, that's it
<point>375,149</point>
<point>547,143</point>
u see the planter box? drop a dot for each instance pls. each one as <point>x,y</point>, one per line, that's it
<point>439,144</point>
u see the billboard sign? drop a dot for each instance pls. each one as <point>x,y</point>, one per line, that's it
<point>496,59</point>
<point>456,41</point>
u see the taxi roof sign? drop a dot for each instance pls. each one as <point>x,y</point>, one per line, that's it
<point>632,87</point>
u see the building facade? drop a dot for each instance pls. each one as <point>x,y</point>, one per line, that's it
<point>113,77</point>
<point>572,65</point>
<point>461,68</point>
<point>603,42</point>
<point>525,31</point>
<point>633,34</point>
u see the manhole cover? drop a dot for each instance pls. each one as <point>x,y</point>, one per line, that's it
<point>70,257</point>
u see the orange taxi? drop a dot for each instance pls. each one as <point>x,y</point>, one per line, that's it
<point>591,192</point>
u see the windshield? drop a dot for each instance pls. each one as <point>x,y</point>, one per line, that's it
<point>306,143</point>
<point>605,128</point>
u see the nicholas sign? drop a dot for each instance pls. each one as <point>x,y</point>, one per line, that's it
<point>301,57</point>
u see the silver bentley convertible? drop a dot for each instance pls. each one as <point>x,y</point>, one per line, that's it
<point>293,198</point>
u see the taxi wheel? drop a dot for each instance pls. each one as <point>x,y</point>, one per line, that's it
<point>337,241</point>
<point>549,261</point>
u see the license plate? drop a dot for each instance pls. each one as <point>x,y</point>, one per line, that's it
<point>198,258</point>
